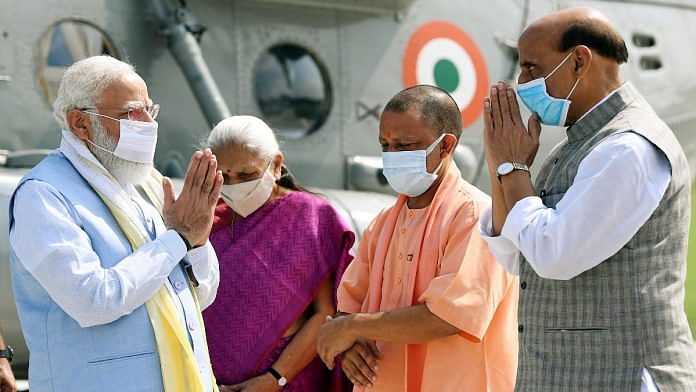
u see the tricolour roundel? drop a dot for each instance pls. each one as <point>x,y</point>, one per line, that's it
<point>442,55</point>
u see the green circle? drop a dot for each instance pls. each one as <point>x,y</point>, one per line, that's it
<point>446,75</point>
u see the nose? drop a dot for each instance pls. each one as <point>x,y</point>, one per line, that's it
<point>140,114</point>
<point>524,78</point>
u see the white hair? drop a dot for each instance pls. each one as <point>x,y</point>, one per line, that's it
<point>124,171</point>
<point>246,132</point>
<point>84,82</point>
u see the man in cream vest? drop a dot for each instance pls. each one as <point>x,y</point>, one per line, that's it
<point>599,241</point>
<point>110,270</point>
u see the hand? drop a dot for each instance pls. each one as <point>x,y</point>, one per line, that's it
<point>7,380</point>
<point>191,215</point>
<point>262,383</point>
<point>334,338</point>
<point>359,363</point>
<point>505,137</point>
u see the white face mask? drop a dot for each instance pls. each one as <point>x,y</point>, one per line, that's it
<point>137,141</point>
<point>406,171</point>
<point>246,197</point>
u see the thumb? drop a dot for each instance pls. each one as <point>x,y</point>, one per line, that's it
<point>169,196</point>
<point>534,127</point>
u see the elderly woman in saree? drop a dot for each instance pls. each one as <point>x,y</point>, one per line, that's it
<point>282,251</point>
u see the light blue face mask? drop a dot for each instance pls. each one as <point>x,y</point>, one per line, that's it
<point>551,111</point>
<point>407,171</point>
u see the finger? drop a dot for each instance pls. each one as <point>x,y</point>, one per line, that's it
<point>514,106</point>
<point>192,169</point>
<point>366,363</point>
<point>366,355</point>
<point>495,109</point>
<point>201,171</point>
<point>504,105</point>
<point>214,194</point>
<point>487,116</point>
<point>209,182</point>
<point>534,127</point>
<point>354,374</point>
<point>354,380</point>
<point>358,366</point>
<point>169,195</point>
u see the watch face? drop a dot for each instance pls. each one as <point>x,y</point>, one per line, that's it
<point>505,168</point>
<point>282,381</point>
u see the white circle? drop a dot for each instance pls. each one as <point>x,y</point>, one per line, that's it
<point>447,49</point>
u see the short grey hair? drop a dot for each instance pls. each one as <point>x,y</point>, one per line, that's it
<point>84,82</point>
<point>246,132</point>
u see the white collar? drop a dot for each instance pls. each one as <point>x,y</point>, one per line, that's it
<point>71,145</point>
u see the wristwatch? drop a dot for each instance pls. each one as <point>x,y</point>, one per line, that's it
<point>8,353</point>
<point>508,167</point>
<point>282,381</point>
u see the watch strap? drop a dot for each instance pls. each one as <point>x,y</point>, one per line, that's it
<point>515,166</point>
<point>275,374</point>
<point>520,166</point>
<point>7,353</point>
<point>188,244</point>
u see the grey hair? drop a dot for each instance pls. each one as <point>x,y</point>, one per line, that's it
<point>246,132</point>
<point>84,82</point>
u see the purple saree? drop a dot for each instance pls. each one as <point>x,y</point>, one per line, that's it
<point>271,265</point>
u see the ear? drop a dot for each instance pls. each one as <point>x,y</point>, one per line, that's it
<point>77,121</point>
<point>278,164</point>
<point>582,57</point>
<point>449,143</point>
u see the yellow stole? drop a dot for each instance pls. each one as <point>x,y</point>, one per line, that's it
<point>177,360</point>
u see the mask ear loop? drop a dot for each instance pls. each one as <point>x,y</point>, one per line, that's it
<point>101,115</point>
<point>573,89</point>
<point>99,147</point>
<point>558,66</point>
<point>556,69</point>
<point>268,169</point>
<point>431,148</point>
<point>435,143</point>
<point>91,142</point>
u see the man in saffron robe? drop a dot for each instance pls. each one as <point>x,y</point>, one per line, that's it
<point>424,305</point>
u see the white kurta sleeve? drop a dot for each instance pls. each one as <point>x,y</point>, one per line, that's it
<point>618,186</point>
<point>50,244</point>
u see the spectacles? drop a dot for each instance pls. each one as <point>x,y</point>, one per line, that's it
<point>133,113</point>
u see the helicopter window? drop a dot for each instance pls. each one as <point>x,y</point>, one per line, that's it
<point>292,89</point>
<point>65,43</point>
<point>643,40</point>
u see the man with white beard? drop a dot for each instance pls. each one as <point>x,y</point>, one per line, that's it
<point>110,269</point>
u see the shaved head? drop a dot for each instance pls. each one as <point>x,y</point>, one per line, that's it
<point>580,26</point>
<point>584,48</point>
<point>436,108</point>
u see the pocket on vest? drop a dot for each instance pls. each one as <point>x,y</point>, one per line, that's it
<point>577,330</point>
<point>120,357</point>
<point>138,371</point>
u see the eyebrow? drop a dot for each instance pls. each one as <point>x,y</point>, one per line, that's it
<point>404,140</point>
<point>133,105</point>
